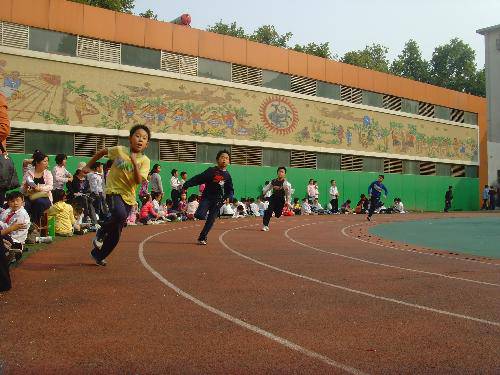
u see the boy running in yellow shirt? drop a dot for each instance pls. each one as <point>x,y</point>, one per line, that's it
<point>130,167</point>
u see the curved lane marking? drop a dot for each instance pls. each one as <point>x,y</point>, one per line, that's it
<point>288,344</point>
<point>350,290</point>
<point>376,263</point>
<point>412,251</point>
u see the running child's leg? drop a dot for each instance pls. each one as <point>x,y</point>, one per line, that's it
<point>278,208</point>
<point>213,212</point>
<point>268,213</point>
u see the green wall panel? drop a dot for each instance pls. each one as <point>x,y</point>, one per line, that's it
<point>417,192</point>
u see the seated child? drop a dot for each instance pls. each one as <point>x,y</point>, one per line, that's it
<point>227,209</point>
<point>254,208</point>
<point>182,206</point>
<point>296,206</point>
<point>79,227</point>
<point>171,215</point>
<point>346,207</point>
<point>317,207</point>
<point>398,206</point>
<point>192,206</point>
<point>157,197</point>
<point>147,214</point>
<point>132,217</point>
<point>362,206</point>
<point>63,214</point>
<point>262,204</point>
<point>239,209</point>
<point>15,221</point>
<point>305,209</point>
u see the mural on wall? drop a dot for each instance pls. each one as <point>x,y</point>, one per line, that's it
<point>70,94</point>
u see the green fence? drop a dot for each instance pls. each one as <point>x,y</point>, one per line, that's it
<point>424,193</point>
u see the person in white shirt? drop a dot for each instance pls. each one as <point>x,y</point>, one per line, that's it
<point>316,206</point>
<point>398,206</point>
<point>254,208</point>
<point>262,206</point>
<point>334,196</point>
<point>60,173</point>
<point>176,186</point>
<point>227,209</point>
<point>192,207</point>
<point>15,220</point>
<point>95,180</point>
<point>316,190</point>
<point>305,208</point>
<point>311,190</point>
<point>239,209</point>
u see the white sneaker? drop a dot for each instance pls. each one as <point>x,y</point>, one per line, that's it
<point>47,239</point>
<point>97,243</point>
<point>265,228</point>
<point>202,242</point>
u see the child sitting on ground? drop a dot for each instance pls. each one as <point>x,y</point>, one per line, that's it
<point>192,206</point>
<point>132,217</point>
<point>171,215</point>
<point>14,222</point>
<point>79,227</point>
<point>296,206</point>
<point>398,206</point>
<point>317,208</point>
<point>254,208</point>
<point>362,206</point>
<point>346,207</point>
<point>227,209</point>
<point>306,208</point>
<point>182,206</point>
<point>157,197</point>
<point>147,214</point>
<point>62,213</point>
<point>262,206</point>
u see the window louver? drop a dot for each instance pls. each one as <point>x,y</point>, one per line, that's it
<point>457,115</point>
<point>303,85</point>
<point>393,166</point>
<point>458,170</point>
<point>392,102</point>
<point>14,35</point>
<point>16,141</point>
<point>427,168</point>
<point>175,63</point>
<point>426,109</point>
<point>171,150</point>
<point>351,163</point>
<point>245,155</point>
<point>89,144</point>
<point>99,50</point>
<point>351,94</point>
<point>303,159</point>
<point>246,75</point>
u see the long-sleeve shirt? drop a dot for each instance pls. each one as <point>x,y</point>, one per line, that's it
<point>311,191</point>
<point>65,218</point>
<point>278,188</point>
<point>95,183</point>
<point>175,184</point>
<point>375,189</point>
<point>334,192</point>
<point>8,218</point>
<point>218,183</point>
<point>61,176</point>
<point>155,183</point>
<point>147,209</point>
<point>28,182</point>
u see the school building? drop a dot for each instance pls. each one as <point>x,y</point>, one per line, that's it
<point>77,77</point>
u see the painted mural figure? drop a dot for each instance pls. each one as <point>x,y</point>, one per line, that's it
<point>348,137</point>
<point>83,107</point>
<point>149,114</point>
<point>229,120</point>
<point>161,114</point>
<point>11,83</point>
<point>214,119</point>
<point>280,116</point>
<point>196,119</point>
<point>129,110</point>
<point>179,118</point>
<point>340,134</point>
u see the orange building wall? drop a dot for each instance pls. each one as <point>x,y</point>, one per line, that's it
<point>66,16</point>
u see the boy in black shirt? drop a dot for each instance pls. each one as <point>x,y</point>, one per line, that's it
<point>281,189</point>
<point>218,187</point>
<point>448,197</point>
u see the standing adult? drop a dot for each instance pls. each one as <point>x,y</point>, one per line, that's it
<point>176,186</point>
<point>334,196</point>
<point>311,191</point>
<point>492,197</point>
<point>486,197</point>
<point>155,180</point>
<point>374,193</point>
<point>448,198</point>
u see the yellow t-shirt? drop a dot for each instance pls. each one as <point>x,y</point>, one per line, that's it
<point>120,179</point>
<point>63,213</point>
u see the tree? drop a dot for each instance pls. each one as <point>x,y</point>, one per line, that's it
<point>321,50</point>
<point>410,63</point>
<point>267,34</point>
<point>124,6</point>
<point>225,29</point>
<point>372,57</point>
<point>149,14</point>
<point>478,86</point>
<point>453,66</point>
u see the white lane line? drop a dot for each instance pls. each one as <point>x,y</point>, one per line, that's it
<point>288,344</point>
<point>413,251</point>
<point>376,263</point>
<point>355,291</point>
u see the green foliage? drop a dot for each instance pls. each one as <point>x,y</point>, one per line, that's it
<point>410,63</point>
<point>259,133</point>
<point>50,117</point>
<point>124,6</point>
<point>321,50</point>
<point>149,14</point>
<point>267,34</point>
<point>225,29</point>
<point>372,57</point>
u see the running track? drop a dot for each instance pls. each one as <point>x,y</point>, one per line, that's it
<point>313,295</point>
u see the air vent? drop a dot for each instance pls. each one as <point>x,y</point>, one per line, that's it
<point>99,50</point>
<point>85,144</point>
<point>175,63</point>
<point>426,109</point>
<point>16,141</point>
<point>14,35</point>
<point>106,141</point>
<point>393,166</point>
<point>351,163</point>
<point>427,168</point>
<point>303,159</point>
<point>245,155</point>
<point>350,94</point>
<point>303,85</point>
<point>171,150</point>
<point>246,75</point>
<point>392,102</point>
<point>457,115</point>
<point>458,170</point>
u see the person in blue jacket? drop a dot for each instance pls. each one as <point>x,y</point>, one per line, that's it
<point>218,187</point>
<point>374,192</point>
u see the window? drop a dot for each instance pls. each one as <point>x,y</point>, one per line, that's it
<point>328,90</point>
<point>443,169</point>
<point>275,80</point>
<point>52,42</point>
<point>141,57</point>
<point>373,164</point>
<point>328,161</point>
<point>214,69</point>
<point>172,150</point>
<point>409,106</point>
<point>442,112</point>
<point>275,157</point>
<point>373,99</point>
<point>206,152</point>
<point>470,118</point>
<point>471,171</point>
<point>246,155</point>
